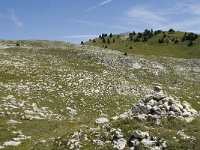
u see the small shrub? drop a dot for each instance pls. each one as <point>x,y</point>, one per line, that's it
<point>190,43</point>
<point>108,41</point>
<point>160,41</point>
<point>176,41</point>
<point>104,40</point>
<point>171,31</point>
<point>164,35</point>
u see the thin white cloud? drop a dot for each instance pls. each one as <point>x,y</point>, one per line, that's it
<point>144,14</point>
<point>78,36</point>
<point>181,8</point>
<point>142,17</point>
<point>85,22</point>
<point>187,8</point>
<point>99,5</point>
<point>97,24</point>
<point>15,20</point>
<point>181,16</point>
<point>187,25</point>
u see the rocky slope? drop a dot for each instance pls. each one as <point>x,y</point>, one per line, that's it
<point>53,92</point>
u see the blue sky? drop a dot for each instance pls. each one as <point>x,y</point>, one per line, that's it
<point>80,20</point>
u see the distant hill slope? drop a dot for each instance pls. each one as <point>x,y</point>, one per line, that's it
<point>159,43</point>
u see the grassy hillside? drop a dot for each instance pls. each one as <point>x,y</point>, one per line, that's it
<point>50,89</point>
<point>173,46</point>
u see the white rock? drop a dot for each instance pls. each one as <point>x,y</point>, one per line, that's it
<point>183,135</point>
<point>140,116</point>
<point>186,105</point>
<point>151,102</point>
<point>140,134</point>
<point>193,111</point>
<point>123,116</point>
<point>72,112</point>
<point>175,108</point>
<point>143,108</point>
<point>157,110</point>
<point>115,118</point>
<point>157,88</point>
<point>166,106</point>
<point>148,143</point>
<point>186,114</point>
<point>13,121</point>
<point>119,144</point>
<point>135,142</point>
<point>159,97</point>
<point>35,108</point>
<point>189,119</point>
<point>148,98</point>
<point>101,120</point>
<point>12,143</point>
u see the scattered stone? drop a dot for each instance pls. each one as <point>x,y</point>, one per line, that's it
<point>72,112</point>
<point>98,142</point>
<point>119,144</point>
<point>184,136</point>
<point>140,135</point>
<point>74,142</point>
<point>115,118</point>
<point>148,141</point>
<point>13,122</point>
<point>12,143</point>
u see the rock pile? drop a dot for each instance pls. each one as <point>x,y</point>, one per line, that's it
<point>138,138</point>
<point>158,105</point>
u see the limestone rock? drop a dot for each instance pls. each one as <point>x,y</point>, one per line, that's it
<point>119,144</point>
<point>115,118</point>
<point>140,134</point>
<point>101,120</point>
<point>72,112</point>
